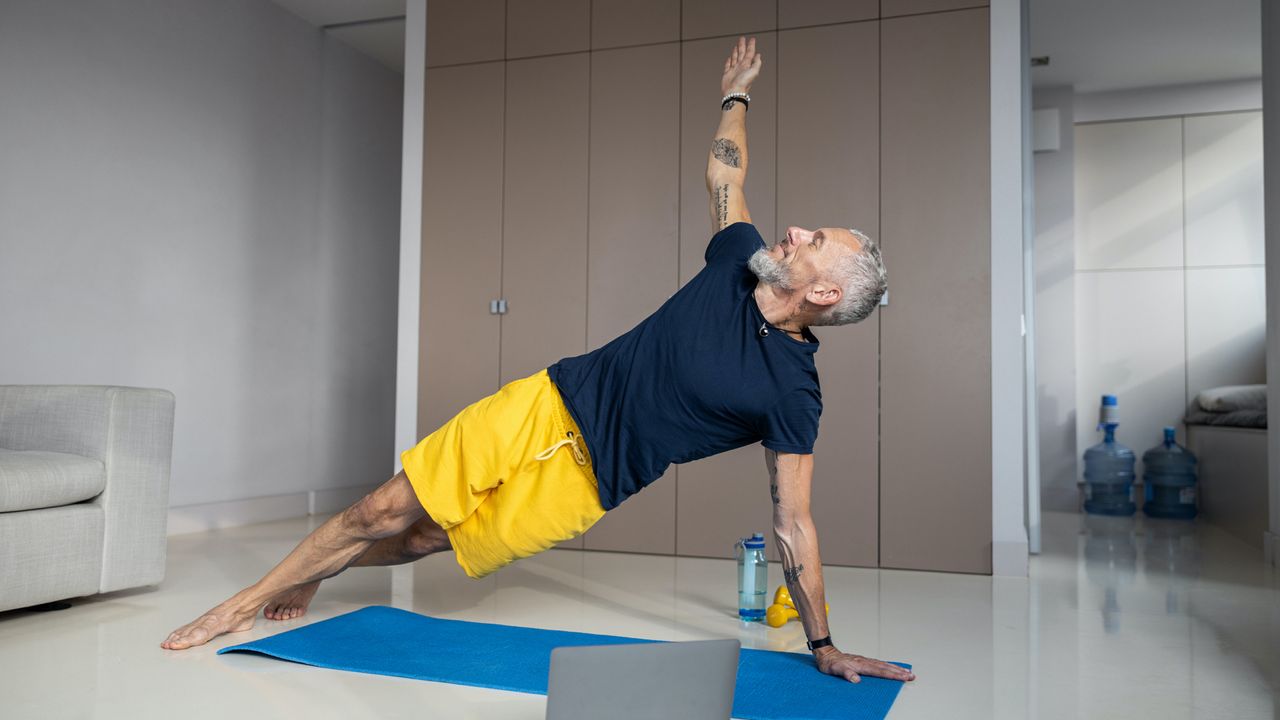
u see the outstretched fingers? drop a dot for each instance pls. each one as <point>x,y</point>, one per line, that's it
<point>888,671</point>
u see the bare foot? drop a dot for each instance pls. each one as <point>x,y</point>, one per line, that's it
<point>223,619</point>
<point>291,604</point>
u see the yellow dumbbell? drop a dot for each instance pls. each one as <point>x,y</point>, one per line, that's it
<point>777,614</point>
<point>782,596</point>
<point>783,609</point>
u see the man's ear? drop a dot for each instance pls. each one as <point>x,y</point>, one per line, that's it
<point>822,294</point>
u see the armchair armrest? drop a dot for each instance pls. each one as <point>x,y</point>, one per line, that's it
<point>131,431</point>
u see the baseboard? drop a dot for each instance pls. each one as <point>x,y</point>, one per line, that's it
<point>327,502</point>
<point>1271,548</point>
<point>234,513</point>
<point>1009,558</point>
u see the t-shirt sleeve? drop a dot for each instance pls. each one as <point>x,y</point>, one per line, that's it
<point>734,244</point>
<point>791,426</point>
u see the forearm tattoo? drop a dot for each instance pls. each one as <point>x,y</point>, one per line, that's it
<point>722,206</point>
<point>727,152</point>
<point>773,491</point>
<point>792,574</point>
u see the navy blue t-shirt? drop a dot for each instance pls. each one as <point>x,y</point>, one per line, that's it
<point>693,379</point>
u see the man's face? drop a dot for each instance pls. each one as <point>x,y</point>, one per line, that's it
<point>805,256</point>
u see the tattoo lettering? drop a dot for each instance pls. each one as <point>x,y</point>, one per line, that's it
<point>722,206</point>
<point>727,152</point>
<point>792,574</point>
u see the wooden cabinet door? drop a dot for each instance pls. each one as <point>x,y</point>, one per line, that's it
<point>544,227</point>
<point>634,245</point>
<point>461,240</point>
<point>725,497</point>
<point>829,176</point>
<point>935,334</point>
<point>544,216</point>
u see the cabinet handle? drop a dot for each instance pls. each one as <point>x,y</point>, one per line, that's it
<point>498,307</point>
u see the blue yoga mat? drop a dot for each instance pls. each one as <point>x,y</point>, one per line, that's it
<point>387,641</point>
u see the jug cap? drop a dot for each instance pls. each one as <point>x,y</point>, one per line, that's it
<point>755,542</point>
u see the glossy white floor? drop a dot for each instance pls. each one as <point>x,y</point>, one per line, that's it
<point>1121,619</point>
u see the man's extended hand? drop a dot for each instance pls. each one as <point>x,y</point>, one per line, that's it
<point>852,667</point>
<point>742,68</point>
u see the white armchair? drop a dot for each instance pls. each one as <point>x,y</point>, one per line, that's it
<point>84,490</point>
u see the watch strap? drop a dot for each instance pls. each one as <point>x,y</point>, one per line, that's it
<point>820,643</point>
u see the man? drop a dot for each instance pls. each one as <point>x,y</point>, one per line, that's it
<point>726,362</point>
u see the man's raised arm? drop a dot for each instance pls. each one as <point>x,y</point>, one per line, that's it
<point>727,161</point>
<point>790,476</point>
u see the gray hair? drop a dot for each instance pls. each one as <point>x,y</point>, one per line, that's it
<point>862,276</point>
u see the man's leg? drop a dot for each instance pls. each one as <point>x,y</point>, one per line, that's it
<point>420,540</point>
<point>327,551</point>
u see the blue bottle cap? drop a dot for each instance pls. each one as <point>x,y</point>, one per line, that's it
<point>1170,434</point>
<point>1109,400</point>
<point>755,542</point>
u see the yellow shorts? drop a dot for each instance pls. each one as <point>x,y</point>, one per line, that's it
<point>508,477</point>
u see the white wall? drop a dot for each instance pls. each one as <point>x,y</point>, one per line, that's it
<point>1271,130</point>
<point>409,299</point>
<point>1169,100</point>
<point>1009,544</point>
<point>1169,266</point>
<point>1055,307</point>
<point>203,197</point>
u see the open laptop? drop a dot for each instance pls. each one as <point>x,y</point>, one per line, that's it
<point>647,681</point>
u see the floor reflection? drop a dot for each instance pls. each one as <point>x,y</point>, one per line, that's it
<point>1120,618</point>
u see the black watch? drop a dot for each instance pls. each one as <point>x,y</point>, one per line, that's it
<point>819,643</point>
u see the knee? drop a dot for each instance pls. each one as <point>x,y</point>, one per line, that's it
<point>425,539</point>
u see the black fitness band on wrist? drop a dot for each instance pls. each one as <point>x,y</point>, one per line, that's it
<point>819,643</point>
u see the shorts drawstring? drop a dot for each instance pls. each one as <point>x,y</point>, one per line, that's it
<point>572,442</point>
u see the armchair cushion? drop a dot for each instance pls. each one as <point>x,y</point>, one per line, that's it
<point>33,479</point>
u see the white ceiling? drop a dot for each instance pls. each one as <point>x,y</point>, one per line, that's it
<point>374,27</point>
<point>1115,44</point>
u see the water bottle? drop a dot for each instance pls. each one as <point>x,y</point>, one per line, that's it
<point>1108,468</point>
<point>753,577</point>
<point>1170,476</point>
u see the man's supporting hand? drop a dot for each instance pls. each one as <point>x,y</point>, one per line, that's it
<point>790,485</point>
<point>852,667</point>
<point>741,68</point>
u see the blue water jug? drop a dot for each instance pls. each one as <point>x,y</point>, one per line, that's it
<point>1169,472</point>
<point>1108,468</point>
<point>753,577</point>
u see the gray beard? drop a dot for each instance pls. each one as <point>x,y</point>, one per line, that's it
<point>769,270</point>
